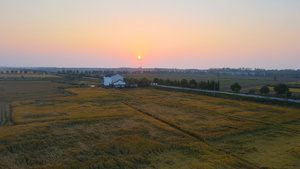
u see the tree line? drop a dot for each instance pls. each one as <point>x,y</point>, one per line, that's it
<point>15,72</point>
<point>206,85</point>
<point>143,82</point>
<point>280,90</point>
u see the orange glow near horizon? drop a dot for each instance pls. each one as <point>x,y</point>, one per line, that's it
<point>147,34</point>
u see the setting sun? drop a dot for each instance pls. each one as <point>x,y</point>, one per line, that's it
<point>139,57</point>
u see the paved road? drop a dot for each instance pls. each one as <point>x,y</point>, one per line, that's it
<point>237,94</point>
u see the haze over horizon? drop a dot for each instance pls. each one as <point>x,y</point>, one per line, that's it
<point>169,34</point>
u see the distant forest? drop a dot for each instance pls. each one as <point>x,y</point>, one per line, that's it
<point>98,72</point>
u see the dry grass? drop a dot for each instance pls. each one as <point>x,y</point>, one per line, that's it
<point>94,128</point>
<point>147,128</point>
<point>250,130</point>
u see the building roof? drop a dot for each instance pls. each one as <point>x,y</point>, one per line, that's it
<point>119,81</point>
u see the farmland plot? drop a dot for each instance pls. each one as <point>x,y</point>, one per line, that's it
<point>147,128</point>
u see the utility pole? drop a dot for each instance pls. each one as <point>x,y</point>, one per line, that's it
<point>214,88</point>
<point>285,97</point>
<point>218,75</point>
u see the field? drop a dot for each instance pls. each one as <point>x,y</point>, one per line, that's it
<point>27,76</point>
<point>251,131</point>
<point>13,90</point>
<point>143,128</point>
<point>247,82</point>
<point>294,84</point>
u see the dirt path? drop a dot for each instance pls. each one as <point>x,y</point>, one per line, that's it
<point>192,134</point>
<point>6,116</point>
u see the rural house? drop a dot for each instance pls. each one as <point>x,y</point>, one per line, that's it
<point>116,80</point>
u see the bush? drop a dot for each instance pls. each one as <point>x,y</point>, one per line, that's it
<point>251,91</point>
<point>184,83</point>
<point>281,89</point>
<point>144,82</point>
<point>235,87</point>
<point>193,86</point>
<point>264,90</point>
<point>193,83</point>
<point>236,90</point>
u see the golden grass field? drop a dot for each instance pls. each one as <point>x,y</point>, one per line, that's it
<point>148,128</point>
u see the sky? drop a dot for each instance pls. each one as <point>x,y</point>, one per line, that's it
<point>185,34</point>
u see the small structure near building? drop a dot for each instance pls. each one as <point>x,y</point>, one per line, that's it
<point>133,85</point>
<point>116,80</point>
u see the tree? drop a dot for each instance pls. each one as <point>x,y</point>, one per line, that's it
<point>193,83</point>
<point>202,85</point>
<point>161,82</point>
<point>212,85</point>
<point>168,82</point>
<point>281,88</point>
<point>144,82</point>
<point>235,87</point>
<point>236,90</point>
<point>275,77</point>
<point>264,90</point>
<point>184,83</point>
<point>174,83</point>
<point>251,91</point>
<point>218,85</point>
<point>208,85</point>
<point>155,80</point>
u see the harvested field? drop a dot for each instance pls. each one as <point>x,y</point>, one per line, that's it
<point>148,128</point>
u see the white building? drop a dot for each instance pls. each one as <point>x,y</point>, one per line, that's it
<point>116,80</point>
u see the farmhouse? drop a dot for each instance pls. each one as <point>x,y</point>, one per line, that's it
<point>116,80</point>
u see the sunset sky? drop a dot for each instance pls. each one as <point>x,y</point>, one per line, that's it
<point>165,33</point>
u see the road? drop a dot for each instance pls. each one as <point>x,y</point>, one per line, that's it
<point>236,94</point>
